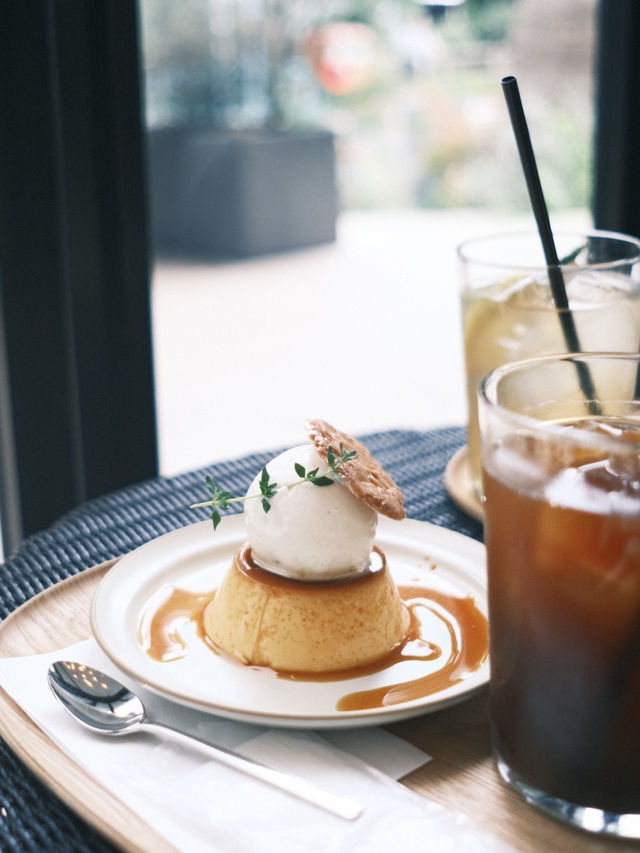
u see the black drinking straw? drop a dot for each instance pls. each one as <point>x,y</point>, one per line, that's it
<point>541,214</point>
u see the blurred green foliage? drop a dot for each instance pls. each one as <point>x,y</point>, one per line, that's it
<point>425,125</point>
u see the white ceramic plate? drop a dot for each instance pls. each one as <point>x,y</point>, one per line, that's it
<point>196,558</point>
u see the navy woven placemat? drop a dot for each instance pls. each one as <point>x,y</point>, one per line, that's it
<point>32,818</point>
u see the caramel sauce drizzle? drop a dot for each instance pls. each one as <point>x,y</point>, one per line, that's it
<point>469,636</point>
<point>167,613</point>
<point>245,563</point>
<point>159,631</point>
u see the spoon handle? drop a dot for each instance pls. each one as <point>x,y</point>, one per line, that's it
<point>343,807</point>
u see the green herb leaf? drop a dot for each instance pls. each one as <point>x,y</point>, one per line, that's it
<point>267,487</point>
<point>220,499</point>
<point>331,457</point>
<point>335,461</point>
<point>322,481</point>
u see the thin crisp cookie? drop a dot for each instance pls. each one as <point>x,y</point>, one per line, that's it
<point>364,476</point>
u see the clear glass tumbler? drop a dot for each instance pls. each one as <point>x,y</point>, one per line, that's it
<point>561,479</point>
<point>509,313</point>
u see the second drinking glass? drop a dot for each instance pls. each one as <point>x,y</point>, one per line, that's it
<point>509,313</point>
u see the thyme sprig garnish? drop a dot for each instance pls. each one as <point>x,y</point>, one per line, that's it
<point>220,499</point>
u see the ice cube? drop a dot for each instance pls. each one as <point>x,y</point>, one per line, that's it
<point>589,287</point>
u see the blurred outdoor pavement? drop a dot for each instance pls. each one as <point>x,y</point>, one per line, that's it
<point>364,332</point>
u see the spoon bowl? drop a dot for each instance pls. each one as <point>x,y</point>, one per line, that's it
<point>95,699</point>
<point>104,705</point>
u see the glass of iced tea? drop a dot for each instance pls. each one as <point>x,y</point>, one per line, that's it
<point>561,478</point>
<point>508,311</point>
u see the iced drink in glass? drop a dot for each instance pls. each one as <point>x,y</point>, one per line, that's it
<point>509,314</point>
<point>561,478</point>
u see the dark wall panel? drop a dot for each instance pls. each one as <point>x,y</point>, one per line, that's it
<point>74,259</point>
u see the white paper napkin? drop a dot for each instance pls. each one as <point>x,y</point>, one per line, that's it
<point>199,805</point>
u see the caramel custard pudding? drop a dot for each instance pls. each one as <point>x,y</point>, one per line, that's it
<point>265,619</point>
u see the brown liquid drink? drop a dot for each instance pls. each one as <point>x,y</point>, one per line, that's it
<point>564,720</point>
<point>562,530</point>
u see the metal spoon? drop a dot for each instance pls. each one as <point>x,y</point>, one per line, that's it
<point>104,705</point>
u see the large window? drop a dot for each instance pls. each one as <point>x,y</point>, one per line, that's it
<point>364,331</point>
<point>410,89</point>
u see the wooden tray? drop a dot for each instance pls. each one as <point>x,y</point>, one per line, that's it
<point>53,619</point>
<point>461,775</point>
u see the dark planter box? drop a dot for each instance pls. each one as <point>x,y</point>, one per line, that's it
<point>238,194</point>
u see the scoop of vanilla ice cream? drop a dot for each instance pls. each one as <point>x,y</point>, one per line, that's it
<point>310,532</point>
